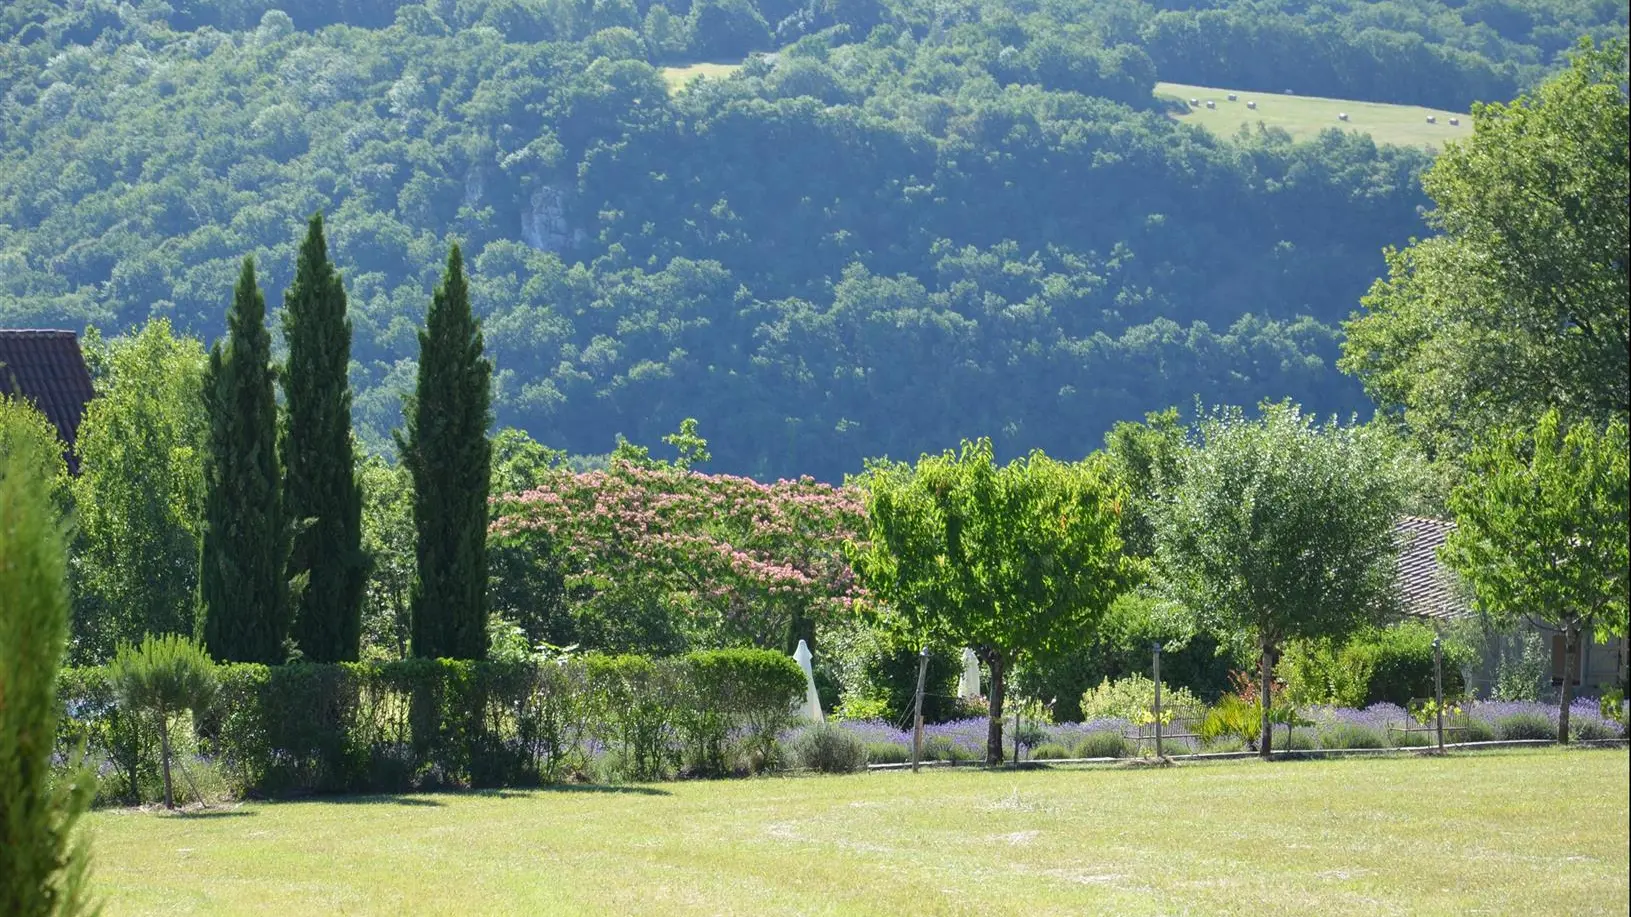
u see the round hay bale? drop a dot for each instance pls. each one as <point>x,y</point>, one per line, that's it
<point>1455,122</point>
<point>1252,105</point>
<point>1233,97</point>
<point>1432,119</point>
<point>1211,104</point>
<point>1194,101</point>
<point>1342,116</point>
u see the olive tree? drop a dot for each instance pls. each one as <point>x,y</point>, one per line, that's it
<point>1277,528</point>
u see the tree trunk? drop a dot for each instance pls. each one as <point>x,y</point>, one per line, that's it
<point>164,752</point>
<point>1265,665</point>
<point>993,738</point>
<point>1565,694</point>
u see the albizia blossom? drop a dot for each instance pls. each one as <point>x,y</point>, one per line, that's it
<point>737,559</point>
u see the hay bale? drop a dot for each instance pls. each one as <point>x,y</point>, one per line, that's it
<point>1455,122</point>
<point>1233,97</point>
<point>1211,104</point>
<point>1194,102</point>
<point>1252,105</point>
<point>1431,119</point>
<point>1342,116</point>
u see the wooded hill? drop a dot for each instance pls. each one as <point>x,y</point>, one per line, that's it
<point>912,223</point>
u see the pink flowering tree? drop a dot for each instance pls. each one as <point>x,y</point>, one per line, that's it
<point>729,559</point>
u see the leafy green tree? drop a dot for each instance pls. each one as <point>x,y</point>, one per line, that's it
<point>26,432</point>
<point>1142,457</point>
<point>388,539</point>
<point>1279,528</point>
<point>1522,302</point>
<point>1541,533</point>
<point>321,491</point>
<point>164,676</point>
<point>243,613</point>
<point>447,452</point>
<point>1018,561</point>
<point>139,495</point>
<point>43,860</point>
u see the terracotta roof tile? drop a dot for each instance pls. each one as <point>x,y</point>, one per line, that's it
<point>47,368</point>
<point>1429,589</point>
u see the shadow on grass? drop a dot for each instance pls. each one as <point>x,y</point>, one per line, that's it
<point>210,813</point>
<point>567,788</point>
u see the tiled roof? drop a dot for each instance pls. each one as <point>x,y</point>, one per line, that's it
<point>1429,590</point>
<point>47,368</point>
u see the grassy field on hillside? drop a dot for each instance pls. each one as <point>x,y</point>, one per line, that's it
<point>1512,832</point>
<point>1306,116</point>
<point>677,77</point>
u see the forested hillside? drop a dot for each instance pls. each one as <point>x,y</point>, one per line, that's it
<point>915,221</point>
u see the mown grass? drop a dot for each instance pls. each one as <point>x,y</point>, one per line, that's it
<point>677,77</point>
<point>1305,116</point>
<point>1511,832</point>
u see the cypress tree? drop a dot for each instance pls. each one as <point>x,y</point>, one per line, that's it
<point>321,489</point>
<point>243,586</point>
<point>448,454</point>
<point>43,855</point>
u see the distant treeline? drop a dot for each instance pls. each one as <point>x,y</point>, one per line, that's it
<point>960,222</point>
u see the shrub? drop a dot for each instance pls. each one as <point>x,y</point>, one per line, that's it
<point>830,749</point>
<point>1582,730</point>
<point>164,676</point>
<point>1132,699</point>
<point>1518,726</point>
<point>887,753</point>
<point>1301,740</point>
<point>1414,739</point>
<point>855,707</point>
<point>1475,731</point>
<point>1232,716</point>
<point>1380,665</point>
<point>1050,751</point>
<point>1350,735</point>
<point>751,688</point>
<point>1223,743</point>
<point>636,702</point>
<point>941,748</point>
<point>1102,745</point>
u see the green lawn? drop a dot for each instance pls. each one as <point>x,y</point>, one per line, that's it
<point>677,77</point>
<point>1514,832</point>
<point>1306,116</point>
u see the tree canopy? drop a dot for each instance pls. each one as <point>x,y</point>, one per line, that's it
<point>1280,527</point>
<point>1541,533</point>
<point>1522,303</point>
<point>1017,561</point>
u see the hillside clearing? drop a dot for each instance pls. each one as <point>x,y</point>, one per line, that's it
<point>1305,116</point>
<point>677,77</point>
<point>1504,832</point>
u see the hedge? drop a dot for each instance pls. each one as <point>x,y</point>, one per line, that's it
<point>425,724</point>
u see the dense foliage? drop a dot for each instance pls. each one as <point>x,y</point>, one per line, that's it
<point>658,557</point>
<point>421,723</point>
<point>1523,303</point>
<point>918,222</point>
<point>43,857</point>
<point>1543,533</point>
<point>1017,561</point>
<point>1278,528</point>
<point>445,448</point>
<point>320,484</point>
<point>243,584</point>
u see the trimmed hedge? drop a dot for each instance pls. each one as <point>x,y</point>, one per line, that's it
<point>424,724</point>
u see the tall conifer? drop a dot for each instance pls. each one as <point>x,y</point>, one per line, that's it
<point>243,566</point>
<point>448,454</point>
<point>321,488</point>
